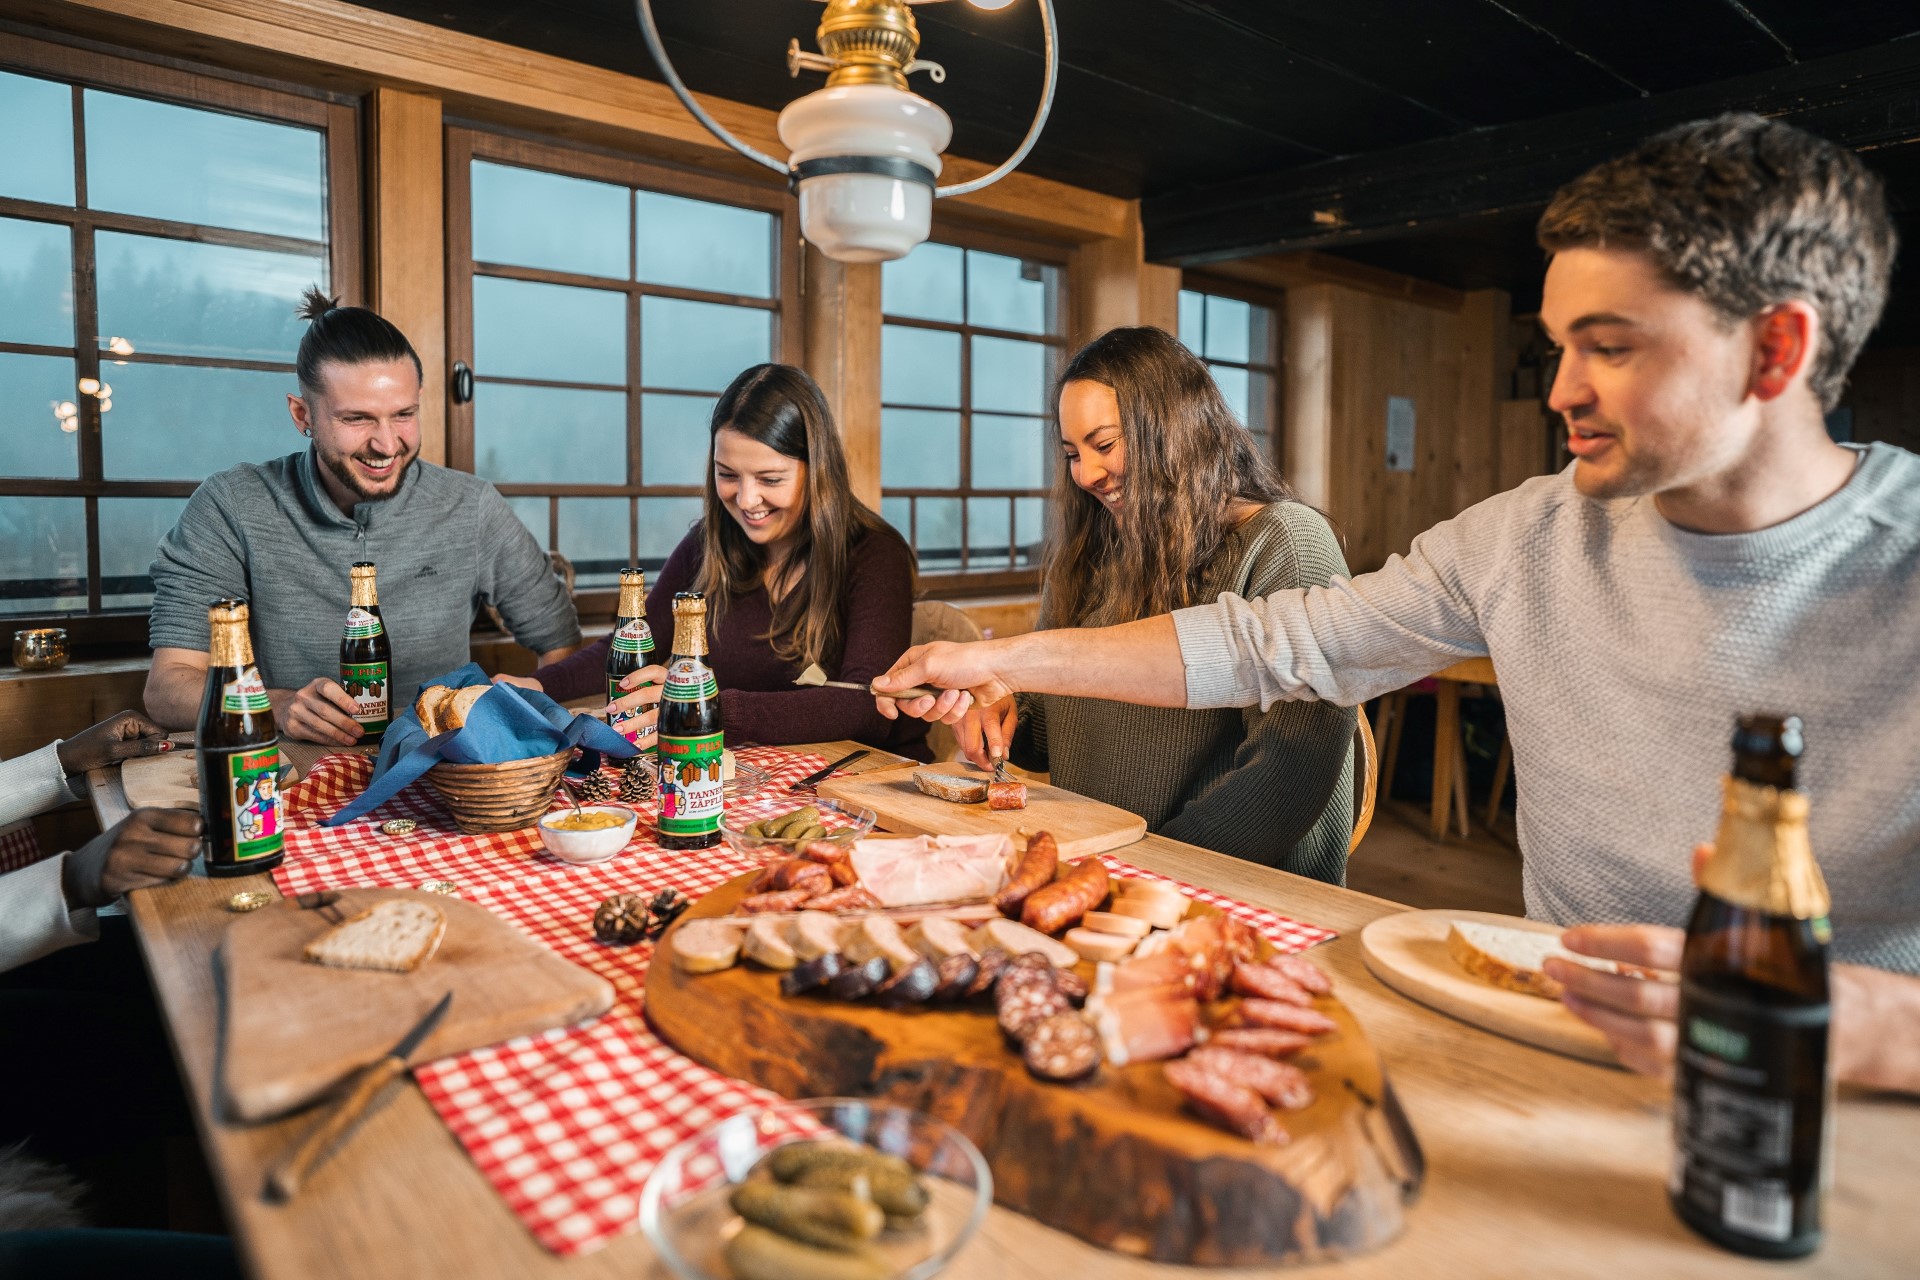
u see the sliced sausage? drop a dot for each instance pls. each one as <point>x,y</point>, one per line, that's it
<point>957,973</point>
<point>1267,982</point>
<point>1223,1102</point>
<point>1268,1041</point>
<point>1305,972</point>
<point>1281,1083</point>
<point>1061,1047</point>
<point>993,962</point>
<point>1285,1017</point>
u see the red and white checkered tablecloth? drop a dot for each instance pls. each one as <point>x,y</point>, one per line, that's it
<point>567,1125</point>
<point>19,847</point>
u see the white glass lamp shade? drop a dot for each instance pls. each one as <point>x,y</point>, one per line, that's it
<point>874,153</point>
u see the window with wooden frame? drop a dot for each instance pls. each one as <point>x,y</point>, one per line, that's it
<point>1236,331</point>
<point>973,338</point>
<point>603,303</point>
<point>157,227</point>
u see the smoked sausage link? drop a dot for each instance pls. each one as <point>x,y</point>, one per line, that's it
<point>1035,871</point>
<point>1062,903</point>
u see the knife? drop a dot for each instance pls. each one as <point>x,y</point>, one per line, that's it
<point>812,778</point>
<point>299,1164</point>
<point>815,678</point>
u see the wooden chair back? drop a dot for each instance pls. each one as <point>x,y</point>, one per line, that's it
<point>1366,779</point>
<point>938,620</point>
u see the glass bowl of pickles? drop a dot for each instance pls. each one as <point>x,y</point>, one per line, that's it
<point>775,827</point>
<point>831,1188</point>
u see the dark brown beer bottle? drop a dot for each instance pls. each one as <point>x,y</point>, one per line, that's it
<point>1751,1091</point>
<point>366,655</point>
<point>630,650</point>
<point>237,751</point>
<point>692,793</point>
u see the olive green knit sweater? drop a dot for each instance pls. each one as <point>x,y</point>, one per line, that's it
<point>1273,787</point>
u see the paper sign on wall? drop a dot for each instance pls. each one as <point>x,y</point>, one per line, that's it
<point>1399,433</point>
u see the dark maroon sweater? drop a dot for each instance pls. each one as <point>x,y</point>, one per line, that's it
<point>758,699</point>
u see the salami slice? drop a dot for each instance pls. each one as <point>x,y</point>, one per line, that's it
<point>853,897</point>
<point>956,973</point>
<point>1281,1083</point>
<point>1305,972</point>
<point>1071,984</point>
<point>1285,1017</point>
<point>1061,1047</point>
<point>1022,1005</point>
<point>1268,1041</point>
<point>1269,983</point>
<point>1226,1103</point>
<point>993,962</point>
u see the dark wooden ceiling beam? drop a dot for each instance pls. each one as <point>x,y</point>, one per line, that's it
<point>1866,99</point>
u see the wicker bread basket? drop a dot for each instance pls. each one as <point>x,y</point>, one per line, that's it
<point>508,796</point>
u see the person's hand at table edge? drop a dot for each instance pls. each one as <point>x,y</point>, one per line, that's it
<point>127,736</point>
<point>1876,1014</point>
<point>148,847</point>
<point>320,712</point>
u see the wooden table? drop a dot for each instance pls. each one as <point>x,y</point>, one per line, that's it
<point>1537,1165</point>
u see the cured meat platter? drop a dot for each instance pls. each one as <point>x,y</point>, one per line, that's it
<point>1119,1157</point>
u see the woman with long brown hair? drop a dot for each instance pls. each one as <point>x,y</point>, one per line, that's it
<point>796,571</point>
<point>1166,501</point>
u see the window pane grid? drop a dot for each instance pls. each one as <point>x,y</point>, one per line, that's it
<point>178,227</point>
<point>970,353</point>
<point>1236,340</point>
<point>699,302</point>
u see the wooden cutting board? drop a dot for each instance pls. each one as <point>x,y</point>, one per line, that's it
<point>1081,826</point>
<point>172,781</point>
<point>1408,952</point>
<point>1114,1159</point>
<point>292,1030</point>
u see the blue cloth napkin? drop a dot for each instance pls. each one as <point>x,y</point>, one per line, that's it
<point>509,724</point>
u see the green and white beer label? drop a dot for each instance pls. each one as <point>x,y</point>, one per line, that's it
<point>366,683</point>
<point>690,680</point>
<point>692,793</point>
<point>362,625</point>
<point>633,637</point>
<point>247,694</point>
<point>254,777</point>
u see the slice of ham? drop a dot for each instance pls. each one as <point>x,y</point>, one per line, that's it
<point>924,869</point>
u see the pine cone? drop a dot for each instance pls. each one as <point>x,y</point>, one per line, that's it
<point>595,788</point>
<point>636,781</point>
<point>621,919</point>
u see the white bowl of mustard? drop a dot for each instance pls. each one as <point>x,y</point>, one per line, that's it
<point>593,834</point>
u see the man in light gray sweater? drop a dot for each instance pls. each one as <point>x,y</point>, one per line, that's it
<point>283,535</point>
<point>1710,551</point>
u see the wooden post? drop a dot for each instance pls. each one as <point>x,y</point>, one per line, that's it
<point>407,253</point>
<point>840,306</point>
<point>1309,393</point>
<point>1484,362</point>
<point>1114,284</point>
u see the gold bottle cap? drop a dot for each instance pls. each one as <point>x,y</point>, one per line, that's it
<point>399,827</point>
<point>251,900</point>
<point>1762,859</point>
<point>362,569</point>
<point>446,888</point>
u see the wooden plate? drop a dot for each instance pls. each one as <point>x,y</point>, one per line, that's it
<point>1408,952</point>
<point>1081,826</point>
<point>1115,1159</point>
<point>172,781</point>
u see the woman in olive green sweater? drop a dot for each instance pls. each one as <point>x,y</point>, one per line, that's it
<point>1166,502</point>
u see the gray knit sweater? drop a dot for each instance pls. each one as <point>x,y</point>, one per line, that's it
<point>1273,786</point>
<point>1624,648</point>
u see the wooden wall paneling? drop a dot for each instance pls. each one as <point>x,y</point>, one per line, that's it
<point>407,242</point>
<point>840,314</point>
<point>1484,366</point>
<point>1307,369</point>
<point>36,707</point>
<point>1113,284</point>
<point>342,46</point>
<point>1523,442</point>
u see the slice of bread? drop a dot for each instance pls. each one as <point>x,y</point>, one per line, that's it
<point>397,935</point>
<point>1511,958</point>
<point>461,706</point>
<point>431,706</point>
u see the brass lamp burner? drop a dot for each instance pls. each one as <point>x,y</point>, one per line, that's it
<point>863,42</point>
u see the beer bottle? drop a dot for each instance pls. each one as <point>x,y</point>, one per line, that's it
<point>237,751</point>
<point>691,793</point>
<point>1751,1089</point>
<point>632,646</point>
<point>366,656</point>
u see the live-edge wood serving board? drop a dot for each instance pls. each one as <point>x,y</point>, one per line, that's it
<point>1114,1159</point>
<point>292,1030</point>
<point>1080,826</point>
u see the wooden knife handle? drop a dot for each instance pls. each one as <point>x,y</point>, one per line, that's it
<point>904,695</point>
<point>298,1165</point>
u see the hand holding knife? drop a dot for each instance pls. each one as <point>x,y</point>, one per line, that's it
<point>287,1177</point>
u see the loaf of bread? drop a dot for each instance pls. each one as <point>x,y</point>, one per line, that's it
<point>397,935</point>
